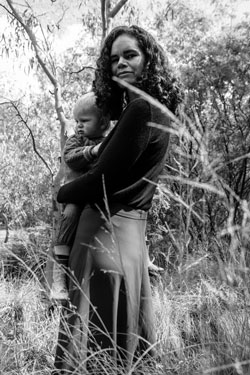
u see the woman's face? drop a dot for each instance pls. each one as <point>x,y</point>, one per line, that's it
<point>127,59</point>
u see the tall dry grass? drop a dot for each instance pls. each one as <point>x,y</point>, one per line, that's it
<point>201,315</point>
<point>28,332</point>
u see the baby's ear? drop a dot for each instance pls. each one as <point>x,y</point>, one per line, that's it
<point>105,122</point>
<point>103,126</point>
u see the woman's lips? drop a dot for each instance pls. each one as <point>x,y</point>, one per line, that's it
<point>122,74</point>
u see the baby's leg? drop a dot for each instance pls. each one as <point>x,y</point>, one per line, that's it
<point>63,242</point>
<point>67,229</point>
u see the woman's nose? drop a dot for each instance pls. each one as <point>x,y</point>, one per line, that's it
<point>121,61</point>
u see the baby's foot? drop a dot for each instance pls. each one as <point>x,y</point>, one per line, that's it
<point>59,289</point>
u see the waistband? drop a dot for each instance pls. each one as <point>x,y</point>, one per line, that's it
<point>125,211</point>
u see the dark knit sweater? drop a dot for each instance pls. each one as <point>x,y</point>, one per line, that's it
<point>133,153</point>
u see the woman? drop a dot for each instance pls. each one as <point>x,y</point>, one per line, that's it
<point>110,299</point>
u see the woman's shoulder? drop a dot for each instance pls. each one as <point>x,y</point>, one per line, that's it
<point>156,109</point>
<point>148,109</point>
<point>148,102</point>
<point>140,105</point>
<point>138,102</point>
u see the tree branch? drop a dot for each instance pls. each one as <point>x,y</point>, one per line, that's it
<point>32,138</point>
<point>7,10</point>
<point>75,72</point>
<point>104,20</point>
<point>116,8</point>
<point>52,77</point>
<point>5,219</point>
<point>82,69</point>
<point>33,40</point>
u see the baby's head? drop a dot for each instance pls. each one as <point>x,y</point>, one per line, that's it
<point>89,119</point>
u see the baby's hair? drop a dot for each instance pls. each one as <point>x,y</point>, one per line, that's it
<point>88,101</point>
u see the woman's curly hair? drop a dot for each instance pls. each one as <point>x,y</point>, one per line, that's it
<point>156,79</point>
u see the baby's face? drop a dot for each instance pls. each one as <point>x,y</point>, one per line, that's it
<point>88,123</point>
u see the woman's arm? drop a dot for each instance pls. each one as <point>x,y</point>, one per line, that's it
<point>129,139</point>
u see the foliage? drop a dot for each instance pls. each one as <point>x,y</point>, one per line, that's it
<point>25,253</point>
<point>208,163</point>
<point>219,98</point>
<point>25,179</point>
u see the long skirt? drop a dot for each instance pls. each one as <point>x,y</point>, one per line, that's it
<point>109,318</point>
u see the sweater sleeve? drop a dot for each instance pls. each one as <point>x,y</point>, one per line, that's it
<point>77,152</point>
<point>129,139</point>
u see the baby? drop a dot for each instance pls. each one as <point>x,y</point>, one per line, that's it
<point>79,153</point>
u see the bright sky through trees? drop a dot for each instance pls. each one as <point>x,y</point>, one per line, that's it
<point>69,14</point>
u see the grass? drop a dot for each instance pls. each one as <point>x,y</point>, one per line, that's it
<point>202,327</point>
<point>202,318</point>
<point>28,333</point>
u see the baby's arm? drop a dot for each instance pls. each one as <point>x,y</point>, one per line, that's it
<point>79,152</point>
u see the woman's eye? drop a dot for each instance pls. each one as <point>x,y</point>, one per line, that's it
<point>130,56</point>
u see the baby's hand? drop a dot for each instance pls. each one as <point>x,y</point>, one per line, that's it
<point>94,150</point>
